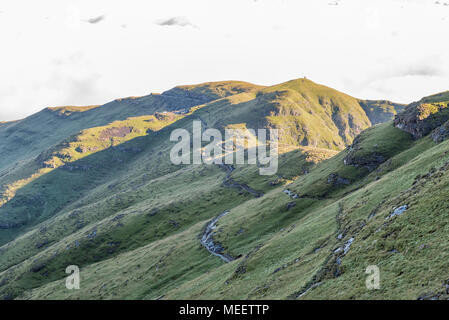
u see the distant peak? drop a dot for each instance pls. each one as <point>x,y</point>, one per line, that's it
<point>209,91</point>
<point>68,110</point>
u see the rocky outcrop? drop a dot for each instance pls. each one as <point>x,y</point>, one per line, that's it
<point>398,211</point>
<point>119,132</point>
<point>370,162</point>
<point>291,194</point>
<point>165,116</point>
<point>84,149</point>
<point>419,119</point>
<point>92,234</point>
<point>336,180</point>
<point>441,133</point>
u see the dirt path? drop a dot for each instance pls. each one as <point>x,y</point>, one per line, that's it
<point>229,182</point>
<point>207,240</point>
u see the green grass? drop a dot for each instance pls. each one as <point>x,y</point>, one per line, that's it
<point>110,201</point>
<point>380,111</point>
<point>378,144</point>
<point>417,235</point>
<point>81,145</point>
<point>442,96</point>
<point>292,164</point>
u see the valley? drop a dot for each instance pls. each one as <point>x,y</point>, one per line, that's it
<point>359,183</point>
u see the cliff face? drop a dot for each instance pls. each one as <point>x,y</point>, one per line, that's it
<point>421,118</point>
<point>309,114</point>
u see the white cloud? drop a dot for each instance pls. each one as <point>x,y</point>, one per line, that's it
<point>95,20</point>
<point>394,50</point>
<point>176,21</point>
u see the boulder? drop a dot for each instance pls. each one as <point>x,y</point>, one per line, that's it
<point>398,211</point>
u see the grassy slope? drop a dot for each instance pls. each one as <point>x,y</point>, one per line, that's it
<point>85,143</point>
<point>316,115</point>
<point>137,200</point>
<point>405,275</point>
<point>442,96</point>
<point>25,139</point>
<point>405,248</point>
<point>282,250</point>
<point>380,111</point>
<point>151,204</point>
<point>33,143</point>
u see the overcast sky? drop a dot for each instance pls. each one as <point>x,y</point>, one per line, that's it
<point>61,52</point>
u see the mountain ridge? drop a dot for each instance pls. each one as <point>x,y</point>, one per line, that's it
<point>107,195</point>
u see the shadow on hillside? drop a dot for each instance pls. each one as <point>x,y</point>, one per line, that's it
<point>48,194</point>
